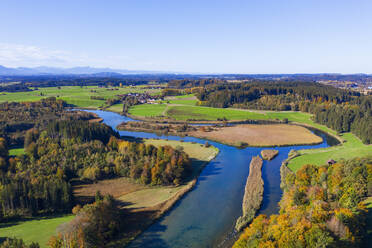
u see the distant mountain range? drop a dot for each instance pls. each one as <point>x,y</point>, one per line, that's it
<point>109,72</point>
<point>44,70</point>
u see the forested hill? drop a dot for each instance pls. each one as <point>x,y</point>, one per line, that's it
<point>246,94</point>
<point>341,110</point>
<point>16,118</point>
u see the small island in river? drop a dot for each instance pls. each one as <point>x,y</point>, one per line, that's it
<point>253,194</point>
<point>269,154</point>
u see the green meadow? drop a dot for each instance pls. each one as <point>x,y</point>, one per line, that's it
<point>34,230</point>
<point>207,113</point>
<point>76,95</point>
<point>118,108</point>
<point>16,151</point>
<point>148,110</point>
<point>351,148</point>
<point>179,110</point>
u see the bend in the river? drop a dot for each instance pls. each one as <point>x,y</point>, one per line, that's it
<point>206,216</point>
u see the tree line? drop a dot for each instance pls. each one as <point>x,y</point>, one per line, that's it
<point>321,207</point>
<point>95,225</point>
<point>341,110</point>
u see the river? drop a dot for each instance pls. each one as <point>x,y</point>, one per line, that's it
<point>205,217</point>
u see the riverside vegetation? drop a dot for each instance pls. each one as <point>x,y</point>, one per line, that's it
<point>253,193</point>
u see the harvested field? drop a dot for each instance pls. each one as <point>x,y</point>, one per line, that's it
<point>149,197</point>
<point>269,154</point>
<point>116,187</point>
<point>253,194</point>
<point>260,135</point>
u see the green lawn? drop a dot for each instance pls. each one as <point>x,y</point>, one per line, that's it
<point>118,108</point>
<point>183,102</point>
<point>76,95</point>
<point>351,148</point>
<point>16,151</point>
<point>207,113</point>
<point>184,96</point>
<point>187,111</point>
<point>148,110</point>
<point>34,230</point>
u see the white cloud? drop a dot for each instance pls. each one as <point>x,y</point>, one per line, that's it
<point>19,55</point>
<point>15,55</point>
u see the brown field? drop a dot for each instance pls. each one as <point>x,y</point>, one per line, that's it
<point>260,135</point>
<point>115,187</point>
<point>269,154</point>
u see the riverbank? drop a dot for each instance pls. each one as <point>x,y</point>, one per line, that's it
<point>253,194</point>
<point>145,204</point>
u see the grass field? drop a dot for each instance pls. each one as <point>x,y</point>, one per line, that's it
<point>33,230</point>
<point>150,197</point>
<point>351,148</point>
<point>118,108</point>
<point>16,151</point>
<point>76,95</point>
<point>178,110</point>
<point>183,100</point>
<point>148,110</point>
<point>207,113</point>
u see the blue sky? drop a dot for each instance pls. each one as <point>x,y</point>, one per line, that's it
<point>263,36</point>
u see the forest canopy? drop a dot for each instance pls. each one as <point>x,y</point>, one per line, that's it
<point>321,207</point>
